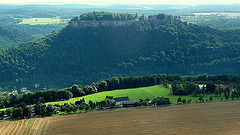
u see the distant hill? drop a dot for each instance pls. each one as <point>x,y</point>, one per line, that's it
<point>11,37</point>
<point>87,54</point>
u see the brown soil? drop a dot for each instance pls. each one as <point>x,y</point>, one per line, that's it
<point>204,118</point>
<point>13,127</point>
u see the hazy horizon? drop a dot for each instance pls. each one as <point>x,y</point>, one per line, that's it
<point>137,2</point>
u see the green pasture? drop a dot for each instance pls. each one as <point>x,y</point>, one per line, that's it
<point>43,21</point>
<point>3,109</point>
<point>136,93</point>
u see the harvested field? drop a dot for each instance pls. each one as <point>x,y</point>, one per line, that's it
<point>39,126</point>
<point>202,118</point>
<point>205,118</point>
<point>13,127</point>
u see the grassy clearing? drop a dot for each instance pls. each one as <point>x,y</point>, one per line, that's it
<point>43,21</point>
<point>136,93</point>
<point>3,109</point>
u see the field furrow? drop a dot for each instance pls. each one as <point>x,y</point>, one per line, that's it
<point>14,128</point>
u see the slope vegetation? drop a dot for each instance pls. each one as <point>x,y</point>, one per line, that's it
<point>86,55</point>
<point>10,38</point>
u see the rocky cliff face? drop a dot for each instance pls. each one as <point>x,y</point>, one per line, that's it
<point>121,23</point>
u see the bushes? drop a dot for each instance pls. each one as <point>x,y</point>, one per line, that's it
<point>163,101</point>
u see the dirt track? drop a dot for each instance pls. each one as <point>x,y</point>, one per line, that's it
<point>205,118</point>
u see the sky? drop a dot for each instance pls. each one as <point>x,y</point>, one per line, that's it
<point>107,2</point>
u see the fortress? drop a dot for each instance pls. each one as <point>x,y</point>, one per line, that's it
<point>116,23</point>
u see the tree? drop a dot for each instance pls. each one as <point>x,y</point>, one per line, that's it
<point>18,113</point>
<point>50,110</point>
<point>1,118</point>
<point>161,16</point>
<point>184,101</point>
<point>179,100</point>
<point>210,87</point>
<point>91,104</point>
<point>211,98</point>
<point>87,108</point>
<point>27,112</point>
<point>80,108</point>
<point>77,91</point>
<point>200,98</point>
<point>233,96</point>
<point>8,111</point>
<point>43,110</point>
<point>227,96</point>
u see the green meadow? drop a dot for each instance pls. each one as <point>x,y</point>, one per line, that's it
<point>42,21</point>
<point>150,92</point>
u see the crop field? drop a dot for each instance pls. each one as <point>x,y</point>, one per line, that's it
<point>136,93</point>
<point>220,13</point>
<point>13,127</point>
<point>216,118</point>
<point>36,21</point>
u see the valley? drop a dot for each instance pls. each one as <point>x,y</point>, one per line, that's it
<point>119,69</point>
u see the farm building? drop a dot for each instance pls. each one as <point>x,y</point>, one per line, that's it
<point>202,86</point>
<point>149,101</point>
<point>130,103</point>
<point>124,101</point>
<point>120,100</point>
<point>221,86</point>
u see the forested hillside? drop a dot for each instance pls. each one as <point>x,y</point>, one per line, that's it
<point>85,55</point>
<point>11,37</point>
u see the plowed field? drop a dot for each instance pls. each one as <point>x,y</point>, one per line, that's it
<point>204,118</point>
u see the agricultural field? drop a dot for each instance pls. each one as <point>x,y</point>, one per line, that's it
<point>13,127</point>
<point>136,93</point>
<point>43,21</point>
<point>218,13</point>
<point>216,118</point>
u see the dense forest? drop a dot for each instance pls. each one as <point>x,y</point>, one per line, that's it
<point>12,37</point>
<point>85,55</point>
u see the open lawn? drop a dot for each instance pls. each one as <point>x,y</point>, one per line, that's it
<point>136,93</point>
<point>36,21</point>
<point>215,118</point>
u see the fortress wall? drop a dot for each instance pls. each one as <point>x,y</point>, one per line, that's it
<point>121,23</point>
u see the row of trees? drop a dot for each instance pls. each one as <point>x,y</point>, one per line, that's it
<point>99,16</point>
<point>185,88</point>
<point>33,98</point>
<point>180,86</point>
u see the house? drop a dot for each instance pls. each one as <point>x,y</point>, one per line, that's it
<point>25,90</point>
<point>45,88</point>
<point>232,83</point>
<point>202,86</point>
<point>221,86</point>
<point>37,85</point>
<point>130,103</point>
<point>148,101</point>
<point>120,100</point>
<point>13,92</point>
